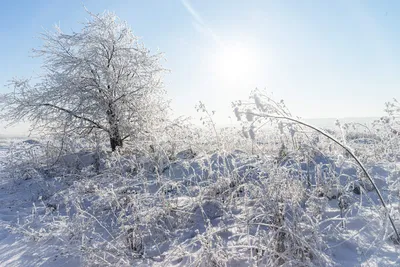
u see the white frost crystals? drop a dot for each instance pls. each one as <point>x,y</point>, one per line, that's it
<point>100,80</point>
<point>249,115</point>
<point>252,133</point>
<point>245,132</point>
<point>237,113</point>
<point>257,101</point>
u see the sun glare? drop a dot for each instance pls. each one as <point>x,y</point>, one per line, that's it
<point>234,63</point>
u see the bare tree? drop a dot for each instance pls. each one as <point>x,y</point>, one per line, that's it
<point>100,79</point>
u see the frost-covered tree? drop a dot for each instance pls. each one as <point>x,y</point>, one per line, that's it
<point>101,79</point>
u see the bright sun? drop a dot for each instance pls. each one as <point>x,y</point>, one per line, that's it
<point>234,63</point>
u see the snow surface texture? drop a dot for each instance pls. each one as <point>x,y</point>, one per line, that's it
<point>16,201</point>
<point>195,210</point>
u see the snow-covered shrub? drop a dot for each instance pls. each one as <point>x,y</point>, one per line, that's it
<point>264,110</point>
<point>24,159</point>
<point>387,130</point>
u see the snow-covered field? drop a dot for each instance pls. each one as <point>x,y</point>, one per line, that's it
<point>196,209</point>
<point>16,202</point>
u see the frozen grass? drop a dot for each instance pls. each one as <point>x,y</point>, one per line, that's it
<point>283,197</point>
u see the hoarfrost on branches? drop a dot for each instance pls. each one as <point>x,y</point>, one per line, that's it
<point>101,79</point>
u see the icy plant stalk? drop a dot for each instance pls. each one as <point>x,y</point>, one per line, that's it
<point>277,112</point>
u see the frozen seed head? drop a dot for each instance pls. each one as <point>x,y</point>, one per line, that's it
<point>257,101</point>
<point>249,115</point>
<point>237,113</point>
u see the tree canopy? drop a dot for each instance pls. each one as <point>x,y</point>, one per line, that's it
<point>99,79</point>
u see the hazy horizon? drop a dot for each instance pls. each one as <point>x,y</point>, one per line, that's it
<point>22,131</point>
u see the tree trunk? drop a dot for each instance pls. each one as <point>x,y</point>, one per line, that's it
<point>115,136</point>
<point>115,140</point>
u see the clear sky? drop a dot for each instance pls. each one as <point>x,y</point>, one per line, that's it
<point>324,58</point>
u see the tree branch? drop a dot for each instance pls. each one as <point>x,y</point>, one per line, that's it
<point>97,125</point>
<point>126,137</point>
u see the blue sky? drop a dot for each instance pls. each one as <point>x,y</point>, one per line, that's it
<point>324,58</point>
